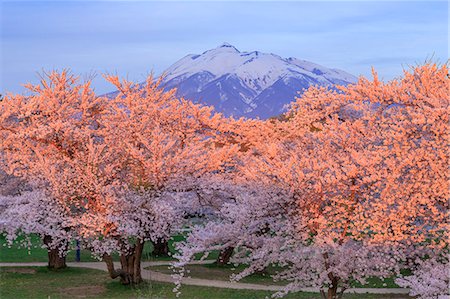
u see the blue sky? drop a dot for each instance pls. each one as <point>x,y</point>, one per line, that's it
<point>133,38</point>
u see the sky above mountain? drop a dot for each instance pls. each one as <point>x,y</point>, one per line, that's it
<point>134,38</point>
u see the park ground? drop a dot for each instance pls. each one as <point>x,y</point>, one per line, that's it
<point>74,282</point>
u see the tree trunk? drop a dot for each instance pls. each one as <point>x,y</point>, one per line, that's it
<point>130,272</point>
<point>161,247</point>
<point>332,291</point>
<point>225,256</point>
<point>55,260</point>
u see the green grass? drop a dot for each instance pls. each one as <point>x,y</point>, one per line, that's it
<point>212,271</point>
<point>87,283</point>
<point>17,253</point>
<point>375,282</point>
<point>148,248</point>
<point>147,256</point>
<point>113,289</point>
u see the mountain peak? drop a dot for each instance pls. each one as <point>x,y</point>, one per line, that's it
<point>227,45</point>
<point>251,84</point>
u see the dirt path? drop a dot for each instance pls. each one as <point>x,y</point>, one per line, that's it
<point>160,277</point>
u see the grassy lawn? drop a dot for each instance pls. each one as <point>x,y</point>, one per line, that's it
<point>36,253</point>
<point>375,282</point>
<point>17,253</point>
<point>38,282</point>
<point>212,271</point>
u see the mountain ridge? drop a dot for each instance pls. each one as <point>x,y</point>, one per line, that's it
<point>250,84</point>
<point>247,84</point>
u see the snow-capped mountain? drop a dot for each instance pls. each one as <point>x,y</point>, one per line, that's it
<point>251,84</point>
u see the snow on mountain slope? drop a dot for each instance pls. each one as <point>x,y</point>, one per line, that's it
<point>251,84</point>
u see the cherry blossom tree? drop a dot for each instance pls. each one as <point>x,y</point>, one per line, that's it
<point>162,145</point>
<point>111,164</point>
<point>351,183</point>
<point>43,135</point>
<point>357,181</point>
<point>414,113</point>
<point>32,213</point>
<point>431,279</point>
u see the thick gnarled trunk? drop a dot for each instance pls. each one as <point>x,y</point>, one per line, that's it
<point>160,248</point>
<point>225,256</point>
<point>55,260</point>
<point>332,292</point>
<point>130,271</point>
